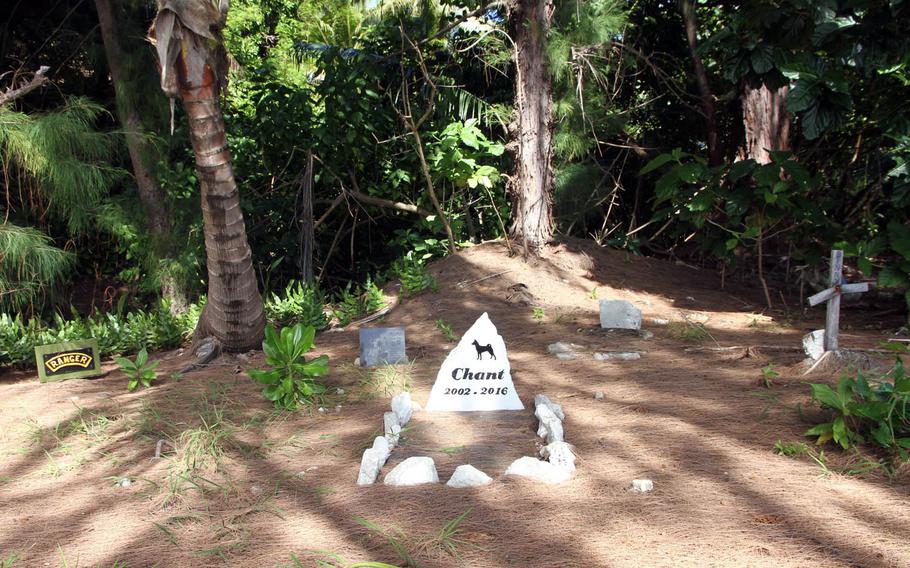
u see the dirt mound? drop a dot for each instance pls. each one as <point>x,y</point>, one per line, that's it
<point>249,486</point>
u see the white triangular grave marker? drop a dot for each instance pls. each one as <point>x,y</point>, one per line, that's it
<point>476,375</point>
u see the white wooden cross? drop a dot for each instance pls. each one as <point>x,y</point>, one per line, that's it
<point>832,296</point>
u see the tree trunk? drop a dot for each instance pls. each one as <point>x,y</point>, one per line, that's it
<point>715,152</point>
<point>531,184</point>
<point>142,154</point>
<point>233,314</point>
<point>766,121</point>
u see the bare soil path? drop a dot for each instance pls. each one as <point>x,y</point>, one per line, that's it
<point>269,484</point>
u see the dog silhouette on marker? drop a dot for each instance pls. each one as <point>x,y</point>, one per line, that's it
<point>481,349</point>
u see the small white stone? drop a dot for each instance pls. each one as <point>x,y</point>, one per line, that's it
<point>814,344</point>
<point>544,399</point>
<point>256,490</point>
<point>619,314</point>
<point>338,408</point>
<point>415,470</point>
<point>566,356</point>
<point>617,356</point>
<point>559,454</point>
<point>468,476</point>
<point>560,347</point>
<point>539,470</point>
<point>599,395</point>
<point>550,426</point>
<point>403,407</point>
<point>391,428</point>
<point>660,321</point>
<point>372,461</point>
<point>642,485</point>
<point>357,362</point>
<point>125,482</point>
<point>340,391</point>
<point>321,409</point>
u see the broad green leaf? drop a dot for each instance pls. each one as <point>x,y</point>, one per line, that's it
<point>132,384</point>
<point>691,172</point>
<point>317,367</point>
<point>762,58</point>
<point>825,428</point>
<point>142,357</point>
<point>802,96</point>
<point>892,277</point>
<point>899,236</point>
<point>825,395</point>
<point>656,163</point>
<point>839,430</point>
<point>741,169</point>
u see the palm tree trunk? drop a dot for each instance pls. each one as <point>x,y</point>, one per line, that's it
<point>233,314</point>
<point>142,154</point>
<point>531,183</point>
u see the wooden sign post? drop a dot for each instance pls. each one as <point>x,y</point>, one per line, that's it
<point>832,296</point>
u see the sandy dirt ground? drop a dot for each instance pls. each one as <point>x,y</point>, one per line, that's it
<point>267,485</point>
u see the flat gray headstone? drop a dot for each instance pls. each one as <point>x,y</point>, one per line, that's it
<point>619,314</point>
<point>382,346</point>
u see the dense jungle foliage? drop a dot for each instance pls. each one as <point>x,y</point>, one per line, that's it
<point>367,138</point>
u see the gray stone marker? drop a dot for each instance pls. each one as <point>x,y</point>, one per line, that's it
<point>619,314</point>
<point>382,346</point>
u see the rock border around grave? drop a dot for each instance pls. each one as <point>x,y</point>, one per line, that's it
<point>559,460</point>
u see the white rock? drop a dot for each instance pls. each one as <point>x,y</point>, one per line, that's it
<point>357,361</point>
<point>256,490</point>
<point>479,360</point>
<point>544,399</point>
<point>814,344</point>
<point>599,395</point>
<point>539,470</point>
<point>566,356</point>
<point>340,391</point>
<point>660,321</point>
<point>413,471</point>
<point>373,460</point>
<point>403,407</point>
<point>468,476</point>
<point>559,454</point>
<point>617,356</point>
<point>642,485</point>
<point>391,427</point>
<point>125,482</point>
<point>550,426</point>
<point>560,347</point>
<point>619,314</point>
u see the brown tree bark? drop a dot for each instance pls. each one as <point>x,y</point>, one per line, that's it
<point>766,121</point>
<point>531,184</point>
<point>142,154</point>
<point>715,152</point>
<point>190,44</point>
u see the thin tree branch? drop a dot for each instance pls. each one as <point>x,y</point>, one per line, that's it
<point>38,80</point>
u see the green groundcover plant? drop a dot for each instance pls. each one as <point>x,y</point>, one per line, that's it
<point>290,380</point>
<point>861,412</point>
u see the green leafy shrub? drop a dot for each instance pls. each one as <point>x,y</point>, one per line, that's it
<point>356,302</point>
<point>139,372</point>
<point>301,303</point>
<point>290,379</point>
<point>860,413</point>
<point>413,274</point>
<point>117,333</point>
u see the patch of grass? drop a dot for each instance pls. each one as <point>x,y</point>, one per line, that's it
<point>385,380</point>
<point>689,331</point>
<point>791,449</point>
<point>4,479</point>
<point>446,540</point>
<point>446,329</point>
<point>768,374</point>
<point>538,314</point>
<point>168,533</point>
<point>10,559</point>
<point>396,538</point>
